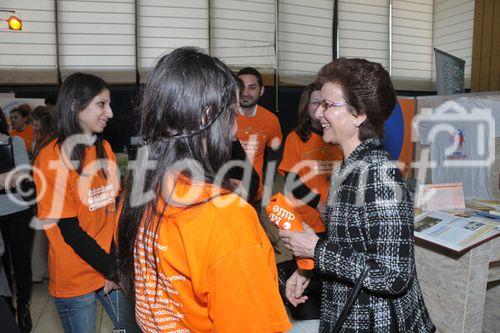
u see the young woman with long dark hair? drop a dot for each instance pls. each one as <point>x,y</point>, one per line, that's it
<point>194,256</point>
<point>77,183</point>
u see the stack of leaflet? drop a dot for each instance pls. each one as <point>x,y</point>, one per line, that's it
<point>483,207</point>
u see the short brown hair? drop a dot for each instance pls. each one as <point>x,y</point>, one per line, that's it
<point>24,110</point>
<point>368,90</point>
<point>252,71</point>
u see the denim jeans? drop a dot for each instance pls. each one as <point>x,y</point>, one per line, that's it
<point>78,314</point>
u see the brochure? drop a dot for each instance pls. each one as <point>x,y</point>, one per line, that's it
<point>454,232</point>
<point>492,206</point>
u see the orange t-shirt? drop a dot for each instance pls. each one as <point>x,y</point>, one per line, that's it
<point>28,135</point>
<point>63,194</point>
<point>257,133</point>
<point>216,267</point>
<point>314,162</point>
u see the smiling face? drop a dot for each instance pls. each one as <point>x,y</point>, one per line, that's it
<point>340,126</point>
<point>314,101</point>
<point>94,117</point>
<point>251,91</point>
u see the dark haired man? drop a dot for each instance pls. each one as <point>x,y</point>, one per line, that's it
<point>259,130</point>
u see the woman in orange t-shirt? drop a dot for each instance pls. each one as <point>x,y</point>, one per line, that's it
<point>308,161</point>
<point>20,127</point>
<point>76,181</point>
<point>193,254</point>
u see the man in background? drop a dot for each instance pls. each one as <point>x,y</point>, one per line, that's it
<point>259,130</point>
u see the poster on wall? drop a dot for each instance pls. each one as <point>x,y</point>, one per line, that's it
<point>450,75</point>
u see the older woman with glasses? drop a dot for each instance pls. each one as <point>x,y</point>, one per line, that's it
<point>370,225</point>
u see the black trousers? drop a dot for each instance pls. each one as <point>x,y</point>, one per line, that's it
<point>18,239</point>
<point>7,322</point>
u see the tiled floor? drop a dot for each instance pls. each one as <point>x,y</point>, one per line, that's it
<point>46,319</point>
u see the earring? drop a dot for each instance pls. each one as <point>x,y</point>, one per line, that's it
<point>359,124</point>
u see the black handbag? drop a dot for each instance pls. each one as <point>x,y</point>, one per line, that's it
<point>7,162</point>
<point>26,187</point>
<point>7,156</point>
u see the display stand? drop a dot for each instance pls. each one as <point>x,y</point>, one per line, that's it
<point>460,291</point>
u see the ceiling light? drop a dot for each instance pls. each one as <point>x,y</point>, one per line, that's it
<point>15,23</point>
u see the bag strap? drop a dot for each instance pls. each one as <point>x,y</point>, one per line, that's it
<point>12,150</point>
<point>353,296</point>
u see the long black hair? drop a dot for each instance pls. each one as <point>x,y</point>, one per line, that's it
<point>187,110</point>
<point>76,93</point>
<point>45,116</point>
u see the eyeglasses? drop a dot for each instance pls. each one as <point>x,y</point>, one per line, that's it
<point>326,104</point>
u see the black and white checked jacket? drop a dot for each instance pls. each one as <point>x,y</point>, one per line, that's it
<point>370,218</point>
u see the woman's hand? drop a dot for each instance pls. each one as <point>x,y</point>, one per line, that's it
<point>110,285</point>
<point>301,243</point>
<point>295,287</point>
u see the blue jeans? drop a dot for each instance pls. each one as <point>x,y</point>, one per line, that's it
<point>78,314</point>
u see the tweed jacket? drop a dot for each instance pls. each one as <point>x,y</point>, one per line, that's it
<point>370,218</point>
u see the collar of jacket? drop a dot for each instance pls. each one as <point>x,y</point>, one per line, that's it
<point>364,149</point>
